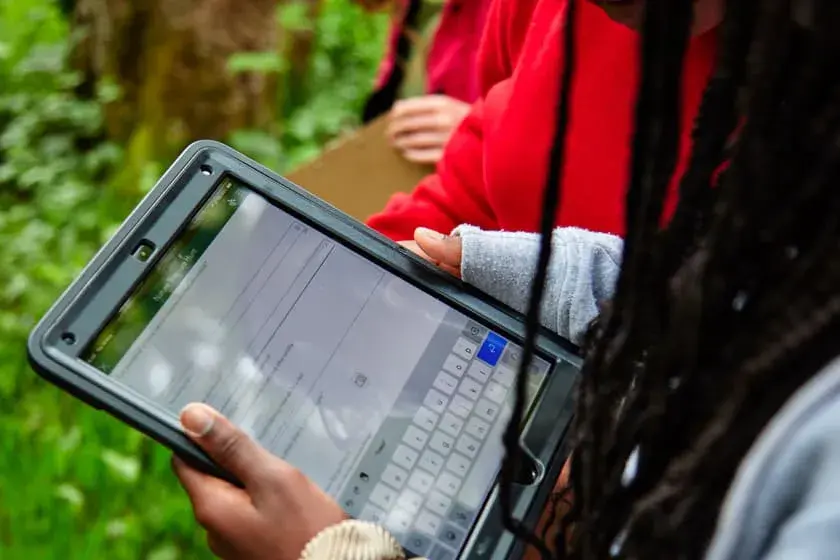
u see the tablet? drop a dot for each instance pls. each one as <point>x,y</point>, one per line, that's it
<point>386,381</point>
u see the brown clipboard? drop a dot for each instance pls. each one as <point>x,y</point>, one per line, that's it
<point>359,172</point>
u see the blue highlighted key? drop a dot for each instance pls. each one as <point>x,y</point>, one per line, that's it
<point>492,349</point>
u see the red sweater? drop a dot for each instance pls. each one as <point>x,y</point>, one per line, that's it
<point>451,60</point>
<point>493,172</point>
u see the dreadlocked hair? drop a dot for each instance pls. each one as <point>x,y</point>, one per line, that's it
<point>511,462</point>
<point>720,316</point>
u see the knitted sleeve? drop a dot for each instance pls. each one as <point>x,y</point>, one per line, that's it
<point>582,273</point>
<point>353,540</point>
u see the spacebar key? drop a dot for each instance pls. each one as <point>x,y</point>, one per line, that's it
<point>486,465</point>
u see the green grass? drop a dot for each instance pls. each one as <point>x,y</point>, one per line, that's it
<point>75,483</point>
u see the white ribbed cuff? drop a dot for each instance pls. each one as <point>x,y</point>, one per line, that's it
<point>353,540</point>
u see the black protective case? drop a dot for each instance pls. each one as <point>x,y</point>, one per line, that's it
<point>112,274</point>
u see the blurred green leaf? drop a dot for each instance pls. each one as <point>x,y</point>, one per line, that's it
<point>127,468</point>
<point>117,528</point>
<point>108,91</point>
<point>294,17</point>
<point>71,495</point>
<point>260,145</point>
<point>165,552</point>
<point>261,62</point>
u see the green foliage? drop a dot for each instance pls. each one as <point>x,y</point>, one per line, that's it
<point>348,47</point>
<point>73,482</point>
<point>261,62</point>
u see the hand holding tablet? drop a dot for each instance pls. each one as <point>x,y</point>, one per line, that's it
<point>242,523</point>
<point>385,381</point>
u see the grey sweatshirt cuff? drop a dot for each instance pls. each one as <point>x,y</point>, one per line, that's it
<point>582,272</point>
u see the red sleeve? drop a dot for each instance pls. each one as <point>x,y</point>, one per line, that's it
<point>507,25</point>
<point>452,196</point>
<point>455,194</point>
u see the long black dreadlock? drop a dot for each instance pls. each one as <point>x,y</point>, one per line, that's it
<point>551,201</point>
<point>719,317</point>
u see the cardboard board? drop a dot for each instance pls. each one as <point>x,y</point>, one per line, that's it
<point>358,173</point>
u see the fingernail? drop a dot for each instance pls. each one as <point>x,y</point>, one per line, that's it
<point>197,419</point>
<point>429,233</point>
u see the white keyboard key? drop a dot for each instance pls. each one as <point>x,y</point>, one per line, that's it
<point>465,348</point>
<point>399,522</point>
<point>410,501</point>
<point>383,497</point>
<point>455,365</point>
<point>445,383</point>
<point>421,544</point>
<point>428,523</point>
<point>426,419</point>
<point>452,536</point>
<point>438,503</point>
<point>486,466</point>
<point>448,483</point>
<point>394,476</point>
<point>487,410</point>
<point>421,481</point>
<point>441,443</point>
<point>458,464</point>
<point>470,389</point>
<point>460,406</point>
<point>477,427</point>
<point>405,457</point>
<point>475,331</point>
<point>436,401</point>
<point>480,371</point>
<point>495,393</point>
<point>415,437</point>
<point>451,424</point>
<point>431,461</point>
<point>505,375</point>
<point>373,514</point>
<point>512,356</point>
<point>468,445</point>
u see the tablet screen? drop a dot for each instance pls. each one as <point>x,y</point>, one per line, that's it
<point>389,399</point>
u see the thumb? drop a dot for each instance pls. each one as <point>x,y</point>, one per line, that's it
<point>231,448</point>
<point>445,250</point>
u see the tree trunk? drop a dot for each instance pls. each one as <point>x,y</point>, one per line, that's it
<point>169,61</point>
<point>298,46</point>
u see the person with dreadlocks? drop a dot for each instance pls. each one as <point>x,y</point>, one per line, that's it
<point>709,403</point>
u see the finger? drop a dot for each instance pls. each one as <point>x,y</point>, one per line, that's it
<point>217,505</point>
<point>429,122</point>
<point>220,547</point>
<point>435,140</point>
<point>445,250</point>
<point>424,157</point>
<point>414,248</point>
<point>418,105</point>
<point>195,482</point>
<point>226,444</point>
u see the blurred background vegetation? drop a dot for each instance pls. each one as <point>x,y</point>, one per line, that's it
<point>96,98</point>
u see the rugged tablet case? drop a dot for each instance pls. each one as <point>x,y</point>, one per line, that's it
<point>543,434</point>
